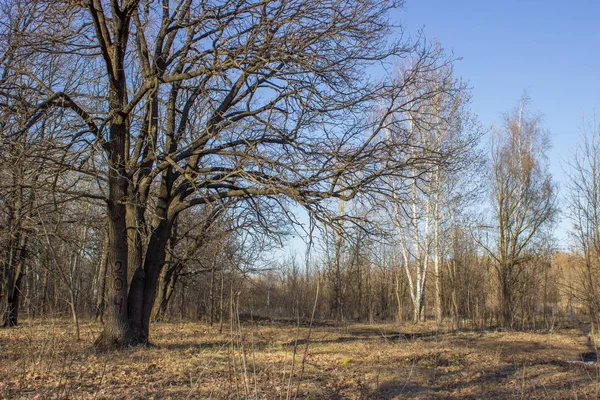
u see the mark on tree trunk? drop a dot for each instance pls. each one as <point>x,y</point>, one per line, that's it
<point>119,286</point>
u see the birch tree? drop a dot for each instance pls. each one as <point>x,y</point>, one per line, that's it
<point>454,185</point>
<point>421,214</point>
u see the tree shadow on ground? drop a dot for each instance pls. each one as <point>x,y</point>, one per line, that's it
<point>506,381</point>
<point>190,344</point>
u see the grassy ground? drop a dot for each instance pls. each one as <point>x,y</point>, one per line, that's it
<point>41,359</point>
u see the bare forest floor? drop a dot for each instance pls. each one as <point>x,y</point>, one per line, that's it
<point>41,359</point>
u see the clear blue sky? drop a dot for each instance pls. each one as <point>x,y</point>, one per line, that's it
<point>549,48</point>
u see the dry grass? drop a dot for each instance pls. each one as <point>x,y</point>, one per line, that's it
<point>40,359</point>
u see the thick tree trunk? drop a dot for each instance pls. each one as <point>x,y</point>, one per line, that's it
<point>153,264</point>
<point>167,278</point>
<point>144,284</point>
<point>117,330</point>
<point>135,226</point>
<point>116,316</point>
<point>129,324</point>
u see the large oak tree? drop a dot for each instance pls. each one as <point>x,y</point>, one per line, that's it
<point>179,104</point>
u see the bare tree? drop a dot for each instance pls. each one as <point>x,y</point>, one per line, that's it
<point>584,211</point>
<point>420,215</point>
<point>20,176</point>
<point>184,245</point>
<point>187,103</point>
<point>524,200</point>
<point>453,184</point>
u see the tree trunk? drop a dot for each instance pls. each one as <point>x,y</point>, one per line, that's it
<point>422,301</point>
<point>221,301</point>
<point>14,272</point>
<point>437,253</point>
<point>11,299</point>
<point>338,296</point>
<point>161,294</point>
<point>102,268</point>
<point>144,286</point>
<point>506,305</point>
<point>211,294</point>
<point>455,314</point>
<point>166,288</point>
<point>167,278</point>
<point>117,330</point>
<point>75,314</point>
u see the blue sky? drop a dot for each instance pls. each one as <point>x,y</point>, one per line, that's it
<point>551,49</point>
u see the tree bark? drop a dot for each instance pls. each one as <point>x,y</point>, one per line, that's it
<point>14,272</point>
<point>145,288</point>
<point>506,299</point>
<point>166,287</point>
<point>102,268</point>
<point>117,330</point>
<point>11,299</point>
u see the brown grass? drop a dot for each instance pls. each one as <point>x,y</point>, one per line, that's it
<point>40,359</point>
